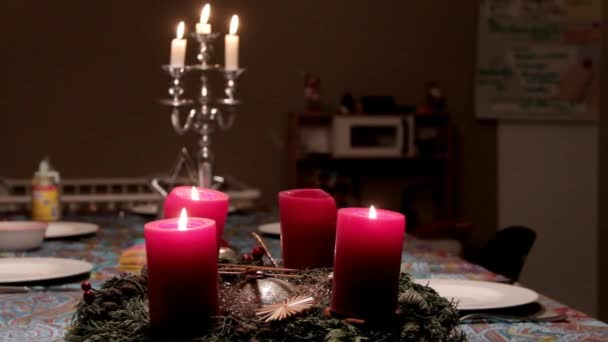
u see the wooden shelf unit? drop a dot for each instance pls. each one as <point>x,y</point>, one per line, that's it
<point>434,172</point>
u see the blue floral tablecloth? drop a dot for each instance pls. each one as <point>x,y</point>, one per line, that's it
<point>44,316</point>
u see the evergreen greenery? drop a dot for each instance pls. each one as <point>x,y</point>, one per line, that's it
<point>119,312</point>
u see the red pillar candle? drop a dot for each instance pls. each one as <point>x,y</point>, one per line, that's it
<point>308,228</point>
<point>367,263</point>
<point>199,202</point>
<point>182,273</point>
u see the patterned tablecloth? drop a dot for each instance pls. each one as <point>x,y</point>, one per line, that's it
<point>43,316</point>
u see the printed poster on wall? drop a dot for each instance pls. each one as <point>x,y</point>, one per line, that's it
<point>539,60</point>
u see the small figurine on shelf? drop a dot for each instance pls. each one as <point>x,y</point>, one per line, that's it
<point>435,101</point>
<point>339,186</point>
<point>312,92</point>
<point>347,103</point>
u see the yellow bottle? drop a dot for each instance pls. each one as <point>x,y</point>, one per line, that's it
<point>45,194</point>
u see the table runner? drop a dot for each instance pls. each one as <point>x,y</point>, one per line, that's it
<point>44,316</point>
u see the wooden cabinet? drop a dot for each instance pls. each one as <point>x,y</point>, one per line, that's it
<point>427,175</point>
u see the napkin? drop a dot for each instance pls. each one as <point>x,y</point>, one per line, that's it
<point>133,259</point>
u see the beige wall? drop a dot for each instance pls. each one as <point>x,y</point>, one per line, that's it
<point>81,81</point>
<point>603,190</point>
<point>603,214</point>
<point>548,180</point>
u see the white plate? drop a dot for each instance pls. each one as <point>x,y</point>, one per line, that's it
<point>69,229</point>
<point>152,209</point>
<point>144,209</point>
<point>480,295</point>
<point>270,228</point>
<point>17,270</point>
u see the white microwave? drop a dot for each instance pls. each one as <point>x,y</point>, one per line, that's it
<point>369,136</point>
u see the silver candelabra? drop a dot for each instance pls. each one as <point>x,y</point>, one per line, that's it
<point>206,114</point>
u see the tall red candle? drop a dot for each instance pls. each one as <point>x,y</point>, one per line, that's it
<point>367,264</point>
<point>199,202</point>
<point>308,228</point>
<point>182,273</point>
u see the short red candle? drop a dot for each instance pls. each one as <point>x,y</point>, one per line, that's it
<point>308,228</point>
<point>199,202</point>
<point>367,264</point>
<point>182,274</point>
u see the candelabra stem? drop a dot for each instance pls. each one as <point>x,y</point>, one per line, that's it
<point>205,174</point>
<point>205,158</point>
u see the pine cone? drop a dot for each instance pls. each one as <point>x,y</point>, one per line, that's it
<point>142,280</point>
<point>129,290</point>
<point>112,295</point>
<point>109,306</point>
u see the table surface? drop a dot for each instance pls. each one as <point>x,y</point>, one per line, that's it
<point>43,316</point>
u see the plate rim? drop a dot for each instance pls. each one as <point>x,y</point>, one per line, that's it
<point>135,209</point>
<point>532,296</point>
<point>94,228</point>
<point>83,268</point>
<point>269,232</point>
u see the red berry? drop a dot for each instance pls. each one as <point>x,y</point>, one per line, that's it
<point>89,296</point>
<point>246,258</point>
<point>588,63</point>
<point>257,253</point>
<point>86,286</point>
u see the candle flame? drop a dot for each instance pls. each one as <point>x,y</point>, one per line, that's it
<point>181,27</point>
<point>205,13</point>
<point>182,224</point>
<point>372,213</point>
<point>194,195</point>
<point>234,24</point>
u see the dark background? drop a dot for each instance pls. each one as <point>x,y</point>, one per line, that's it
<point>84,78</point>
